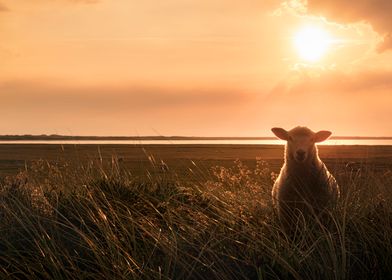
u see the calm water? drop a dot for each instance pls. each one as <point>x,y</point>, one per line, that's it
<point>196,142</point>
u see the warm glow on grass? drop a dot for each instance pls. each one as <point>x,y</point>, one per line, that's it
<point>312,43</point>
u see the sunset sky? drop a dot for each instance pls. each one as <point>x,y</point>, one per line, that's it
<point>195,67</point>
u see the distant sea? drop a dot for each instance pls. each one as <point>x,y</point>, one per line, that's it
<point>370,142</point>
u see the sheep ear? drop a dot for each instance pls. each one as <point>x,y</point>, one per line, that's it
<point>280,133</point>
<point>322,136</point>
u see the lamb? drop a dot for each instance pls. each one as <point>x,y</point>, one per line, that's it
<point>304,186</point>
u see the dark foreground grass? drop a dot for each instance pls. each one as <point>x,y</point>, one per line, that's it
<point>58,222</point>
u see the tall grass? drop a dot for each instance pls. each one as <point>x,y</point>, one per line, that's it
<point>91,222</point>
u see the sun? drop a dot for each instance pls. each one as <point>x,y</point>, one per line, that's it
<point>312,43</point>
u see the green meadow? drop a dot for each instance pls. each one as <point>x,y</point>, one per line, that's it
<point>185,212</point>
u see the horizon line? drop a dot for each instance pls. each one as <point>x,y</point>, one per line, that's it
<point>172,137</point>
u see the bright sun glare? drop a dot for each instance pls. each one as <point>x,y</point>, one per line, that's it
<point>312,43</point>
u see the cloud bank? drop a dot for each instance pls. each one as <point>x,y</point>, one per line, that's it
<point>115,98</point>
<point>375,12</point>
<point>127,110</point>
<point>349,103</point>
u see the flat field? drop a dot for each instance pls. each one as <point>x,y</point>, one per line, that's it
<point>186,212</point>
<point>179,158</point>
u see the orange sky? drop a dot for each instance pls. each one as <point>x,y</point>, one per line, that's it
<point>187,67</point>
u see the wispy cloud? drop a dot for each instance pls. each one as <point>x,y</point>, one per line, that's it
<point>335,83</point>
<point>85,1</point>
<point>4,8</point>
<point>377,13</point>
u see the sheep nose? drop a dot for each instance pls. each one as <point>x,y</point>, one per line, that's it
<point>301,155</point>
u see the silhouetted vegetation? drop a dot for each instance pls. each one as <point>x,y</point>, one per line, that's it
<point>95,222</point>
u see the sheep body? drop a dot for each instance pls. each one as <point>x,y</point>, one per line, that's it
<point>305,187</point>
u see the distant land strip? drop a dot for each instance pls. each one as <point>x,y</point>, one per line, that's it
<point>55,137</point>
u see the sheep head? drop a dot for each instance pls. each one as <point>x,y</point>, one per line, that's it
<point>301,142</point>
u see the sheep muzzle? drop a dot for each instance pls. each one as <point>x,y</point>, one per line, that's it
<point>300,155</point>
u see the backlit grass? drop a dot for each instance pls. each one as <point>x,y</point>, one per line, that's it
<point>95,222</point>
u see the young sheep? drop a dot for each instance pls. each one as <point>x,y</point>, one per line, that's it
<point>304,186</point>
